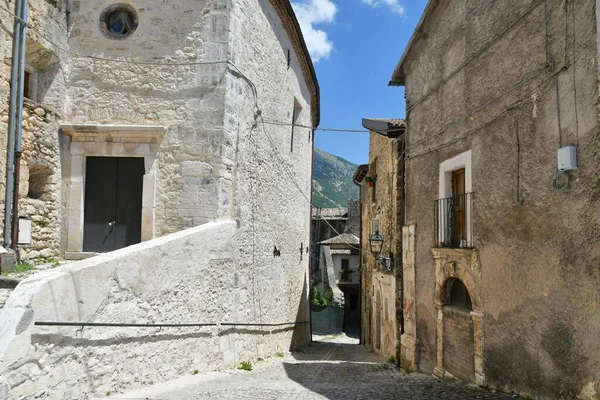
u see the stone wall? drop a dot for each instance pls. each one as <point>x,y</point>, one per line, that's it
<point>167,280</point>
<point>40,164</point>
<point>376,280</point>
<point>538,249</point>
<point>217,160</point>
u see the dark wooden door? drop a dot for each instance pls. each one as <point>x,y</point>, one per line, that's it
<point>458,200</point>
<point>113,203</point>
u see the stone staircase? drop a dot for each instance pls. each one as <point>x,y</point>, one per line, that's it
<point>7,285</point>
<point>8,282</point>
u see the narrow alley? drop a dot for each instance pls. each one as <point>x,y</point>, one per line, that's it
<point>332,369</point>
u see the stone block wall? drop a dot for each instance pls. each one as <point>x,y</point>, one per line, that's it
<point>187,277</point>
<point>40,165</point>
<point>377,281</point>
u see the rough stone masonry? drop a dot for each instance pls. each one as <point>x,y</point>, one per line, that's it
<point>188,90</point>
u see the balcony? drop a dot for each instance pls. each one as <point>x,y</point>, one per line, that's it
<point>453,226</point>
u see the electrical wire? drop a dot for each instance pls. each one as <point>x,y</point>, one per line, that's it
<point>474,56</point>
<point>483,125</point>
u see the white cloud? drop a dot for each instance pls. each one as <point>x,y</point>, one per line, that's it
<point>394,5</point>
<point>309,14</point>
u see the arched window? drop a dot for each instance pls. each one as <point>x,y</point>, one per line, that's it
<point>458,295</point>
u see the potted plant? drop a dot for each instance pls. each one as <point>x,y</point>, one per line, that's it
<point>370,180</point>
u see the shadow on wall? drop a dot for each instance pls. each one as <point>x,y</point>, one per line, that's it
<point>301,335</point>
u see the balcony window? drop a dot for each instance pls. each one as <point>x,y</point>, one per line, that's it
<point>453,211</point>
<point>453,221</point>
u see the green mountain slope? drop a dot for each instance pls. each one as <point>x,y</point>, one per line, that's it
<point>332,180</point>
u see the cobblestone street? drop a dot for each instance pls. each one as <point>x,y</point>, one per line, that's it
<point>329,370</point>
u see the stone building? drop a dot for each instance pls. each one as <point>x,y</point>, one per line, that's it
<point>160,123</point>
<point>339,270</point>
<point>381,212</point>
<point>334,265</point>
<point>164,112</point>
<point>45,91</point>
<point>501,249</point>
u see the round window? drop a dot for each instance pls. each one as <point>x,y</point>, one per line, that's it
<point>119,21</point>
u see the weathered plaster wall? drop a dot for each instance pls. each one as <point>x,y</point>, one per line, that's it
<point>159,281</point>
<point>538,250</point>
<point>376,281</point>
<point>46,32</point>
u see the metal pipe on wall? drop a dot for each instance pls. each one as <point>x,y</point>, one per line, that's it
<point>10,145</point>
<point>19,124</point>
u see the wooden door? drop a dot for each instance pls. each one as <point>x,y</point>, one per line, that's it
<point>113,203</point>
<point>458,201</point>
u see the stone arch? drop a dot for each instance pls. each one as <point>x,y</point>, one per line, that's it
<point>457,294</point>
<point>462,264</point>
<point>458,270</point>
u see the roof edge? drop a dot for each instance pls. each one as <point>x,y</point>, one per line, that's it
<point>360,173</point>
<point>387,128</point>
<point>398,76</point>
<point>309,71</point>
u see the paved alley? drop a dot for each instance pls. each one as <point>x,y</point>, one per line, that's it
<point>329,370</point>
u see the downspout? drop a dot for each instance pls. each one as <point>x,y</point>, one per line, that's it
<point>19,125</point>
<point>360,283</point>
<point>68,10</point>
<point>310,251</point>
<point>10,143</point>
<point>402,220</point>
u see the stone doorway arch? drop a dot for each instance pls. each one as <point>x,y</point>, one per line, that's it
<point>463,265</point>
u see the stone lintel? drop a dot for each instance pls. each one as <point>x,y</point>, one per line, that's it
<point>114,133</point>
<point>453,253</point>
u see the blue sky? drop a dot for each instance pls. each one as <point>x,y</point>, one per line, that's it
<point>355,46</point>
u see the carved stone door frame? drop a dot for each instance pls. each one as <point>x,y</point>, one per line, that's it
<point>107,141</point>
<point>460,264</point>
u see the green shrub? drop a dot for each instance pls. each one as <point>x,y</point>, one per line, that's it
<point>246,366</point>
<point>24,267</point>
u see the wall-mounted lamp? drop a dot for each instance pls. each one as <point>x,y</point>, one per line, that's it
<point>376,243</point>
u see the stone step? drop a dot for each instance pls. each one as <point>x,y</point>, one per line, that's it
<point>4,294</point>
<point>6,287</point>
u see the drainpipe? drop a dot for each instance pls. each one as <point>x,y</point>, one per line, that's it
<point>10,145</point>
<point>310,244</point>
<point>68,10</point>
<point>19,125</point>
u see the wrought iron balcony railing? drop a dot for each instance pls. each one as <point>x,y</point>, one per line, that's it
<point>453,226</point>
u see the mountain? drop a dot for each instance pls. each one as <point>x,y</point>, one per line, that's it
<point>332,180</point>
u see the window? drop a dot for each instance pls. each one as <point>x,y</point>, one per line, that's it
<point>119,21</point>
<point>373,179</point>
<point>453,209</point>
<point>27,85</point>
<point>295,115</point>
<point>374,190</point>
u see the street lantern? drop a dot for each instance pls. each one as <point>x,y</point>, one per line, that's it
<point>376,243</point>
